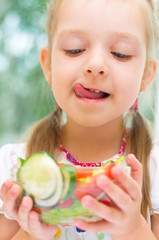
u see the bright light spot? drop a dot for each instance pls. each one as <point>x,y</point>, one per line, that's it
<point>11,23</point>
<point>20,43</point>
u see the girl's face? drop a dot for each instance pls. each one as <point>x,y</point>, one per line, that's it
<point>98,59</point>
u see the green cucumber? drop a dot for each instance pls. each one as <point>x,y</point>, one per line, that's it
<point>69,181</point>
<point>41,178</point>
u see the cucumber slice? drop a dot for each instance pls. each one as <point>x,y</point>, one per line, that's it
<point>41,178</point>
<point>21,161</point>
<point>69,181</point>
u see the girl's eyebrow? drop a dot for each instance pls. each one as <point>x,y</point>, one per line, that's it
<point>125,35</point>
<point>71,32</point>
<point>120,35</point>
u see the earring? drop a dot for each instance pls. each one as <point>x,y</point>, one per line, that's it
<point>135,106</point>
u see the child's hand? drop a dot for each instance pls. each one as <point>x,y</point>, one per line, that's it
<point>23,214</point>
<point>123,218</point>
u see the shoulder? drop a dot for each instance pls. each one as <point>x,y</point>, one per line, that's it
<point>154,175</point>
<point>154,159</point>
<point>10,152</point>
<point>8,157</point>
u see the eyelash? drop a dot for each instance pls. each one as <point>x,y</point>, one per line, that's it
<point>121,55</point>
<point>76,52</point>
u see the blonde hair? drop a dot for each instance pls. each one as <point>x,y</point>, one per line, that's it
<point>47,131</point>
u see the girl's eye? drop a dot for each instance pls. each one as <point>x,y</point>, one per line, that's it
<point>121,55</point>
<point>74,51</point>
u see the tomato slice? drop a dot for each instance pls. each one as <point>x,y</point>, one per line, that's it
<point>83,174</point>
<point>108,170</point>
<point>88,188</point>
<point>106,200</point>
<point>37,209</point>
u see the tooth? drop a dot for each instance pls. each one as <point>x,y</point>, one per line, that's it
<point>96,91</point>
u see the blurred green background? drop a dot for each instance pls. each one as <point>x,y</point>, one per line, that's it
<point>25,97</point>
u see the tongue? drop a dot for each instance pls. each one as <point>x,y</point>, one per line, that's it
<point>82,92</point>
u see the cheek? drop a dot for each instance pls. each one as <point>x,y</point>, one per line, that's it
<point>128,94</point>
<point>64,65</point>
<point>128,86</point>
<point>62,78</point>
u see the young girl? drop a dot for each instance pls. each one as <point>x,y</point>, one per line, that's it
<point>101,55</point>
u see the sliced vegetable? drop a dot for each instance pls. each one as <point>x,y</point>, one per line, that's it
<point>81,173</point>
<point>87,188</point>
<point>108,169</point>
<point>41,178</point>
<point>57,189</point>
<point>69,181</point>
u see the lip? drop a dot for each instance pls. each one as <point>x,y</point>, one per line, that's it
<point>92,100</point>
<point>87,93</point>
<point>91,88</point>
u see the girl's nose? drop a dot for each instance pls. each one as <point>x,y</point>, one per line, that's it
<point>95,72</point>
<point>96,67</point>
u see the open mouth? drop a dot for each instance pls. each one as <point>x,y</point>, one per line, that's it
<point>88,93</point>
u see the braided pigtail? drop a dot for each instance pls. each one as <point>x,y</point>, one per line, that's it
<point>139,143</point>
<point>46,133</point>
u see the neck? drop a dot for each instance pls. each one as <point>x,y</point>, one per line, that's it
<point>92,144</point>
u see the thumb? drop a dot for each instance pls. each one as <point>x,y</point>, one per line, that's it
<point>136,168</point>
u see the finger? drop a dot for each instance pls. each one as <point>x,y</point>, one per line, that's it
<point>110,214</point>
<point>5,187</point>
<point>128,183</point>
<point>34,224</point>
<point>93,226</point>
<point>117,195</point>
<point>10,201</point>
<point>23,213</point>
<point>136,168</point>
<point>38,229</point>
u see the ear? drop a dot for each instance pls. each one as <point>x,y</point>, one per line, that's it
<point>45,61</point>
<point>149,74</point>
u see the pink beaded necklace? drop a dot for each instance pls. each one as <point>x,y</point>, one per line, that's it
<point>70,158</point>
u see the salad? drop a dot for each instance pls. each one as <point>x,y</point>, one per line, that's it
<point>57,189</point>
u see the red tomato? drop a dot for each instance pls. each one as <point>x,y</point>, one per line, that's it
<point>83,174</point>
<point>92,189</point>
<point>108,170</point>
<point>37,209</point>
<point>88,188</point>
<point>106,200</point>
<point>60,164</point>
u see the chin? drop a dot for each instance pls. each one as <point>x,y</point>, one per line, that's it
<point>89,122</point>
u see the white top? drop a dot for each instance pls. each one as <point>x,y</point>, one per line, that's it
<point>8,157</point>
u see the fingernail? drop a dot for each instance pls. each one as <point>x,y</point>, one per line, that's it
<point>24,203</point>
<point>131,157</point>
<point>8,183</point>
<point>86,201</point>
<point>116,171</point>
<point>14,189</point>
<point>102,181</point>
